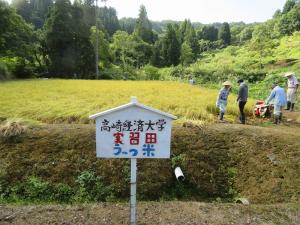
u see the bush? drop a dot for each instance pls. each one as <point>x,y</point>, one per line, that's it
<point>4,190</point>
<point>178,71</point>
<point>91,187</point>
<point>17,192</point>
<point>33,189</point>
<point>116,73</point>
<point>252,76</point>
<point>16,66</point>
<point>62,193</point>
<point>36,190</point>
<point>151,72</point>
<point>113,73</point>
<point>4,73</point>
<point>22,69</point>
<point>165,74</point>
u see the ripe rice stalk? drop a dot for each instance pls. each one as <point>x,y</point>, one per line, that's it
<point>12,129</point>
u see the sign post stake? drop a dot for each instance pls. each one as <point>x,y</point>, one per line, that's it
<point>133,131</point>
<point>133,170</point>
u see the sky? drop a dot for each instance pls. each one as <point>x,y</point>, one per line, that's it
<point>204,11</point>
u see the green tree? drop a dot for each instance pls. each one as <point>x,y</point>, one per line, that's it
<point>186,54</point>
<point>143,27</point>
<point>122,47</point>
<point>262,42</point>
<point>105,55</point>
<point>246,34</point>
<point>285,25</point>
<point>33,11</point>
<point>142,52</point>
<point>127,24</point>
<point>15,34</point>
<point>187,34</point>
<point>277,14</point>
<point>235,31</point>
<point>67,42</point>
<point>204,45</point>
<point>184,26</point>
<point>16,41</point>
<point>290,21</point>
<point>88,11</point>
<point>84,54</point>
<point>171,47</point>
<point>156,58</point>
<point>209,33</point>
<point>23,8</point>
<point>288,6</point>
<point>109,19</point>
<point>224,34</point>
<point>40,10</point>
<point>106,16</point>
<point>130,51</point>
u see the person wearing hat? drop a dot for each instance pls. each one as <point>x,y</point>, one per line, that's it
<point>292,90</point>
<point>222,99</point>
<point>278,94</point>
<point>242,99</point>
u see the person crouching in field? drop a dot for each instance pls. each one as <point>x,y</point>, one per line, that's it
<point>222,99</point>
<point>278,94</point>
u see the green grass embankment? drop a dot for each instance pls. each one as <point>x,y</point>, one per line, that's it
<point>218,161</point>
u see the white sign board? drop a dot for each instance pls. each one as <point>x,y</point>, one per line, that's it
<point>133,131</point>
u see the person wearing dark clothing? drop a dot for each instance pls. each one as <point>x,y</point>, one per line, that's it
<point>242,99</point>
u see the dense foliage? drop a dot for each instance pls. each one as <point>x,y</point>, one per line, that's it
<point>17,47</point>
<point>67,42</point>
<point>49,38</point>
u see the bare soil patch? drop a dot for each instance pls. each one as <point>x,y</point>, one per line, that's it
<point>152,213</point>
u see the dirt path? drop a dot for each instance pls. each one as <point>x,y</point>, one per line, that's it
<point>292,116</point>
<point>152,213</point>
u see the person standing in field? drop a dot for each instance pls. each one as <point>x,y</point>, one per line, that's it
<point>191,81</point>
<point>278,94</point>
<point>242,99</point>
<point>291,90</point>
<point>222,99</point>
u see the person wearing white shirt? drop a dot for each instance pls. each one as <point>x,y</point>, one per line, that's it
<point>191,81</point>
<point>291,91</point>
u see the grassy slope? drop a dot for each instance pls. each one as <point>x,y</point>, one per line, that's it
<point>216,160</point>
<point>239,58</point>
<point>72,101</point>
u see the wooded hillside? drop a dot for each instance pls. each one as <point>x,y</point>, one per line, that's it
<point>40,38</point>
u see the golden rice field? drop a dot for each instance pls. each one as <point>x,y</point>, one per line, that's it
<point>72,101</point>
